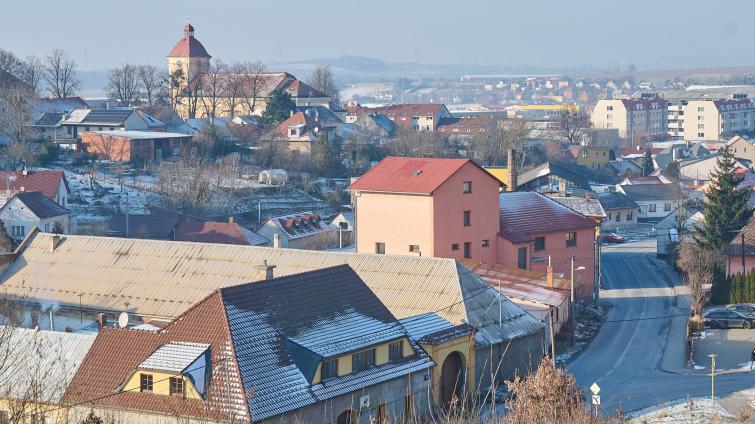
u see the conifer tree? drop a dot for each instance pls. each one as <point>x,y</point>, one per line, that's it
<point>726,209</point>
<point>647,163</point>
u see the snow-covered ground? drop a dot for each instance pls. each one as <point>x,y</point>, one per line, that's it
<point>698,410</point>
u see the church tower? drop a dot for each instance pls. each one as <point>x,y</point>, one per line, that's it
<point>189,55</point>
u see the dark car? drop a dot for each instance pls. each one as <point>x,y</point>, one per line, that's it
<point>612,238</point>
<point>748,310</point>
<point>727,319</point>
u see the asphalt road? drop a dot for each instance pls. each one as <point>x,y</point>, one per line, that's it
<point>625,358</point>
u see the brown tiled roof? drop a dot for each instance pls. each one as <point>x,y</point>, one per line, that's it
<point>409,175</point>
<point>525,215</point>
<point>217,232</point>
<point>45,182</point>
<point>117,353</point>
<point>734,248</point>
<point>297,88</point>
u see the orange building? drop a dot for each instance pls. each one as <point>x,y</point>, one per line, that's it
<point>431,207</point>
<point>132,145</point>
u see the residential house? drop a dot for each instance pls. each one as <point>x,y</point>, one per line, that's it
<point>375,127</point>
<point>344,222</point>
<point>166,115</point>
<point>551,176</point>
<point>638,120</point>
<point>534,228</point>
<point>37,368</point>
<point>52,184</point>
<point>217,232</point>
<point>302,129</point>
<point>585,205</point>
<point>701,170</point>
<point>680,152</point>
<point>305,230</point>
<point>433,207</point>
<point>593,157</point>
<point>86,120</point>
<point>30,209</point>
<point>713,119</point>
<point>621,211</point>
<point>654,201</point>
<point>740,252</point>
<point>649,179</point>
<point>158,281</point>
<point>344,358</point>
<point>466,126</point>
<point>742,148</point>
<point>155,227</point>
<point>47,114</point>
<point>416,117</point>
<point>126,146</point>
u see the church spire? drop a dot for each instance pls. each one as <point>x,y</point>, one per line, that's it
<point>188,29</point>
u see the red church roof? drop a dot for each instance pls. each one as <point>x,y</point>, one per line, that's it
<point>189,46</point>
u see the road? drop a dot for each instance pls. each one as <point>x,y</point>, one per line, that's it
<point>626,357</point>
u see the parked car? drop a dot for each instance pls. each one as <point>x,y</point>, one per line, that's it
<point>725,318</point>
<point>744,309</point>
<point>612,238</point>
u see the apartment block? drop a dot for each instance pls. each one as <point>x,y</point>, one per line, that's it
<point>637,120</point>
<point>716,119</point>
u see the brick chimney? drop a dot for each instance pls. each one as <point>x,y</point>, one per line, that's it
<point>101,321</point>
<point>513,172</point>
<point>562,187</point>
<point>231,220</point>
<point>549,273</point>
<point>265,271</point>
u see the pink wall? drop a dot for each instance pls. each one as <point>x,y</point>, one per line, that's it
<point>734,264</point>
<point>397,220</point>
<point>555,246</point>
<point>449,205</point>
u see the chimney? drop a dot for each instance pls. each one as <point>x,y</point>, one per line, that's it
<point>54,242</point>
<point>231,220</point>
<point>101,321</point>
<point>24,172</point>
<point>549,273</point>
<point>562,187</point>
<point>265,271</point>
<point>513,172</point>
<point>276,240</point>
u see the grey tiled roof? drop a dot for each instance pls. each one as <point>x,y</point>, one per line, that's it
<point>41,205</point>
<point>587,207</point>
<point>646,192</point>
<point>614,201</point>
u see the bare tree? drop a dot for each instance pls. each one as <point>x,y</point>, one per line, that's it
<point>213,88</point>
<point>60,74</point>
<point>33,72</point>
<point>420,144</point>
<point>176,81</point>
<point>572,127</point>
<point>233,84</point>
<point>253,84</point>
<point>322,79</point>
<point>698,267</point>
<point>490,147</point>
<point>123,85</point>
<point>151,82</point>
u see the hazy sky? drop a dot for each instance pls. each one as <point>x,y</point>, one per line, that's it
<point>546,33</point>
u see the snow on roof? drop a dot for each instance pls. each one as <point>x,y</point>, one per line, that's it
<point>174,357</point>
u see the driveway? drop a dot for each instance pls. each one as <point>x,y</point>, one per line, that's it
<point>732,348</point>
<point>637,357</point>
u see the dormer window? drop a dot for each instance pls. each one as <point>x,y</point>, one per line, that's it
<point>329,369</point>
<point>177,386</point>
<point>146,382</point>
<point>362,360</point>
<point>396,350</point>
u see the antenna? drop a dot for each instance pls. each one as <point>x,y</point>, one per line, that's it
<point>123,320</point>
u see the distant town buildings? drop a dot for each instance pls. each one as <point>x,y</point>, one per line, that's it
<point>638,120</point>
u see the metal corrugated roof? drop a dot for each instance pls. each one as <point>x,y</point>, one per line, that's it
<point>174,357</point>
<point>164,278</point>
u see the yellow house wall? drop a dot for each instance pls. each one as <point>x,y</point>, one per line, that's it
<point>53,413</point>
<point>596,158</point>
<point>374,210</point>
<point>465,347</point>
<point>161,384</point>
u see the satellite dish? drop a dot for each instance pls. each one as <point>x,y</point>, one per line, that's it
<point>123,320</point>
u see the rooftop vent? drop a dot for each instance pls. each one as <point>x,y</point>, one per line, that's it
<point>416,173</point>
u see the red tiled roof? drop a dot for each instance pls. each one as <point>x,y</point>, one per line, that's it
<point>45,182</point>
<point>116,353</point>
<point>189,46</point>
<point>525,215</point>
<point>521,284</point>
<point>297,88</point>
<point>212,232</point>
<point>408,175</point>
<point>644,104</point>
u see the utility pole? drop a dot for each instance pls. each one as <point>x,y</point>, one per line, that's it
<point>743,252</point>
<point>553,341</point>
<point>712,377</point>
<point>571,311</point>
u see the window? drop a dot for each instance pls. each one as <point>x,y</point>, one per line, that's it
<point>362,360</point>
<point>380,248</point>
<point>467,249</point>
<point>177,386</point>
<point>455,246</point>
<point>17,231</point>
<point>381,414</point>
<point>329,369</point>
<point>610,216</point>
<point>701,134</point>
<point>539,244</point>
<point>408,406</point>
<point>701,109</point>
<point>486,243</point>
<point>667,207</point>
<point>629,216</point>
<point>414,248</point>
<point>609,116</point>
<point>396,350</point>
<point>571,239</point>
<point>651,207</point>
<point>343,225</point>
<point>145,382</point>
<point>609,107</point>
<point>584,153</point>
<point>47,227</point>
<point>467,218</point>
<point>466,187</point>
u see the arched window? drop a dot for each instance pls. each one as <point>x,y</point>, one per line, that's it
<point>348,416</point>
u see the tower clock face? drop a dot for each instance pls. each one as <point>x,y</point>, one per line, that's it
<point>179,63</point>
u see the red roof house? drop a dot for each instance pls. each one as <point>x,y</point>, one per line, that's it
<point>52,184</point>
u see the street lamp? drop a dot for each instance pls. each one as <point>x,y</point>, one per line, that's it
<point>571,314</point>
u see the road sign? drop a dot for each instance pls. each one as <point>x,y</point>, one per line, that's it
<point>595,389</point>
<point>596,399</point>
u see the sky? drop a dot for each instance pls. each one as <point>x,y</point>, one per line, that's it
<point>553,34</point>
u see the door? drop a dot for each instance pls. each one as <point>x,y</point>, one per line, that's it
<point>451,379</point>
<point>733,320</point>
<point>521,261</point>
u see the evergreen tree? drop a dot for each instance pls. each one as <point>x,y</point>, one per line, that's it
<point>721,286</point>
<point>726,209</point>
<point>735,284</point>
<point>278,108</point>
<point>647,163</point>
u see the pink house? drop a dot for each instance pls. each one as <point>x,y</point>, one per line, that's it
<point>737,246</point>
<point>432,207</point>
<point>534,228</point>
